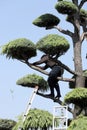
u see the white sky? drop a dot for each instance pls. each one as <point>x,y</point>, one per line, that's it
<point>16,22</point>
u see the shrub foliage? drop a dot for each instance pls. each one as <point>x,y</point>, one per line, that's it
<point>78,96</point>
<point>32,80</point>
<point>46,20</point>
<point>20,49</point>
<point>79,123</point>
<point>38,119</point>
<point>66,7</point>
<point>53,44</point>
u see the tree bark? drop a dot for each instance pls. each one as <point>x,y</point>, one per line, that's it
<point>77,44</point>
<point>80,80</point>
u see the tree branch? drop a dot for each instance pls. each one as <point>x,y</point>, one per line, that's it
<point>67,32</point>
<point>46,73</point>
<point>82,3</point>
<point>55,100</point>
<point>64,66</point>
<point>66,79</point>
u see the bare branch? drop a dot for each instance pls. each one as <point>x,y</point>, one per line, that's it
<point>66,79</point>
<point>67,32</point>
<point>82,3</point>
<point>84,35</point>
<point>55,100</point>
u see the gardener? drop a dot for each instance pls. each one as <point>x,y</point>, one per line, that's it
<point>56,71</point>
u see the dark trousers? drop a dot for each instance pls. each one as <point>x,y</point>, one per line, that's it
<point>52,80</point>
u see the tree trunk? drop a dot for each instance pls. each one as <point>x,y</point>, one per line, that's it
<point>77,111</point>
<point>79,79</point>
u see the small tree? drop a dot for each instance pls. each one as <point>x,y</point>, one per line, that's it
<point>36,119</point>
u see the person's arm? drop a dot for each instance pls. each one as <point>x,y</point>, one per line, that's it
<point>38,62</point>
<point>42,60</point>
<point>42,67</point>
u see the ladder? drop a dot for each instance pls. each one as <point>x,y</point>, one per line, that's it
<point>29,104</point>
<point>60,118</point>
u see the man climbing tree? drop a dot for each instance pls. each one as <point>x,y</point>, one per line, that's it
<point>56,71</point>
<point>53,44</point>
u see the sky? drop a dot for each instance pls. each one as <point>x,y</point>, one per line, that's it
<point>16,22</point>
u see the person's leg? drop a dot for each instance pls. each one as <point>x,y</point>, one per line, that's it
<point>51,85</point>
<point>52,80</point>
<point>57,90</point>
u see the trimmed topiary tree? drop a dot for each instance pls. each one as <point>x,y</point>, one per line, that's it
<point>66,7</point>
<point>77,96</point>
<point>33,80</point>
<point>14,48</point>
<point>53,44</point>
<point>46,20</point>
